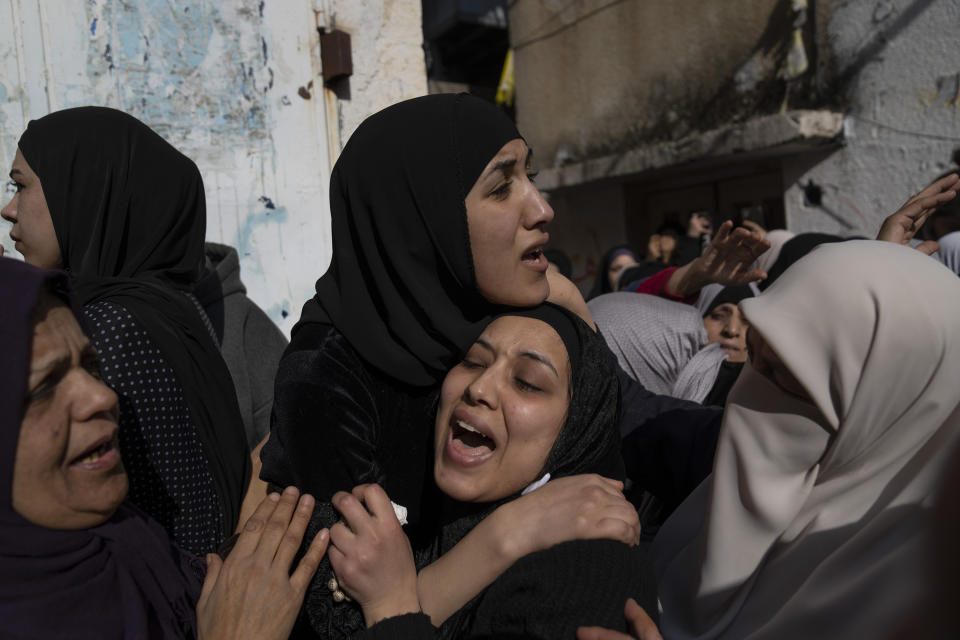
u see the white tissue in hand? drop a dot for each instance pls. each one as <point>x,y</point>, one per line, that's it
<point>401,513</point>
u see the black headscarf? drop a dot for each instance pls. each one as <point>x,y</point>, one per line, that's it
<point>588,442</point>
<point>401,286</point>
<point>729,295</point>
<point>794,249</point>
<point>602,283</point>
<point>130,215</point>
<point>121,579</point>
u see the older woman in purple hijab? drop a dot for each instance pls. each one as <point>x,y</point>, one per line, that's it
<point>78,561</point>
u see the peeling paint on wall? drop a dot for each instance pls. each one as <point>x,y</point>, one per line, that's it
<point>220,80</point>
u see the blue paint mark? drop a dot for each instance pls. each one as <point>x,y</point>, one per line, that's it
<point>170,45</point>
<point>3,93</point>
<point>186,37</point>
<point>108,56</point>
<point>129,42</point>
<point>277,215</point>
<point>278,312</point>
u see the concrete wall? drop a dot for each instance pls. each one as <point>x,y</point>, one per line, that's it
<point>235,85</point>
<point>388,60</point>
<point>597,76</point>
<point>589,220</point>
<point>903,120</point>
<point>603,81</point>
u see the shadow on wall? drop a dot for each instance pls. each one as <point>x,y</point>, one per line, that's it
<point>823,198</point>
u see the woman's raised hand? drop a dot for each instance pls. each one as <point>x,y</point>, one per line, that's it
<point>726,261</point>
<point>580,507</point>
<point>904,224</point>
<point>252,593</point>
<point>371,555</point>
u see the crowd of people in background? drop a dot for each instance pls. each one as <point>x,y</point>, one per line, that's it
<point>739,432</point>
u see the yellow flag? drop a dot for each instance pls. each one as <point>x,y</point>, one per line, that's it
<point>505,89</point>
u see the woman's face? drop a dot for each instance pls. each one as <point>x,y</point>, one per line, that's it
<point>501,410</point>
<point>506,216</point>
<point>32,231</point>
<point>67,472</point>
<point>726,325</point>
<point>768,364</point>
<point>617,265</point>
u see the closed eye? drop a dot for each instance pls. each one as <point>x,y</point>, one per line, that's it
<point>45,388</point>
<point>523,385</point>
<point>502,191</point>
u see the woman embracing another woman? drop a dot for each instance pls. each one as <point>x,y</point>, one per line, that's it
<point>534,399</point>
<point>437,227</point>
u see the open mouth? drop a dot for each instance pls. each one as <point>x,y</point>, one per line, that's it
<point>534,259</point>
<point>532,256</point>
<point>467,445</point>
<point>471,438</point>
<point>102,453</point>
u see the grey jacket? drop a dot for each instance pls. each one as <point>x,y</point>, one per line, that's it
<point>250,343</point>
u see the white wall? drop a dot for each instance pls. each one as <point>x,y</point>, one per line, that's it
<point>904,117</point>
<point>228,83</point>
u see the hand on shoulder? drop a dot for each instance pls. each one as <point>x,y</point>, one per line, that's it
<point>579,507</point>
<point>252,593</point>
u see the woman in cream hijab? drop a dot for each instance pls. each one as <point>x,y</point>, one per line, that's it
<point>812,522</point>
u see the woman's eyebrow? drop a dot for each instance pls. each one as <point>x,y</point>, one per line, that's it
<point>504,166</point>
<point>483,343</point>
<point>53,363</point>
<point>533,355</point>
<point>15,172</point>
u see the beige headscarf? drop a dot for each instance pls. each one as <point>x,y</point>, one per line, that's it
<point>811,523</point>
<point>777,238</point>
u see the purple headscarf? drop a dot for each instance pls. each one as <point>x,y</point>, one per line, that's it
<point>122,579</point>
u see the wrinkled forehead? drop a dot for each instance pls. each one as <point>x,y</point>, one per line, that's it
<point>56,333</point>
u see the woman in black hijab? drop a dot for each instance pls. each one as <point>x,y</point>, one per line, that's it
<point>123,212</point>
<point>613,262</point>
<point>76,559</point>
<point>794,249</point>
<point>515,438</point>
<point>435,224</point>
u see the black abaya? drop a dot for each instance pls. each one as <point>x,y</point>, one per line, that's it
<point>130,215</point>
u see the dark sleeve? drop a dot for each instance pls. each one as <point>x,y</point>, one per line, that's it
<point>668,444</point>
<point>549,594</point>
<point>410,626</point>
<point>323,436</point>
